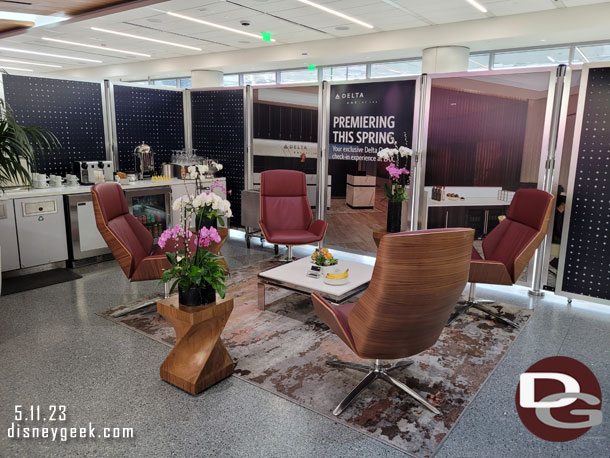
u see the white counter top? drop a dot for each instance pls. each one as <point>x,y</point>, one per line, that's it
<point>468,202</point>
<point>83,189</point>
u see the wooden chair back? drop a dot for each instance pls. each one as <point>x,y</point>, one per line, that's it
<point>417,281</point>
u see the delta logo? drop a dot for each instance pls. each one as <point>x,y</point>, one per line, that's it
<point>349,95</point>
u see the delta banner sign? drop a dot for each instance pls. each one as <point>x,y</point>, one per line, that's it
<point>367,117</point>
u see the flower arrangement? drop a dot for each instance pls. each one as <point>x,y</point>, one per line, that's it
<point>197,171</point>
<point>193,267</point>
<point>398,170</point>
<point>217,165</point>
<point>323,257</point>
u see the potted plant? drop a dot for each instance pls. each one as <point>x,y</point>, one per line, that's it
<point>396,191</point>
<point>18,148</point>
<point>196,271</point>
<point>324,258</point>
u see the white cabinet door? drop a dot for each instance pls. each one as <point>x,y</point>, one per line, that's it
<point>8,236</point>
<point>41,227</point>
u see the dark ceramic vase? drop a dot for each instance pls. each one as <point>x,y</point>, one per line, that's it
<point>196,296</point>
<point>394,216</point>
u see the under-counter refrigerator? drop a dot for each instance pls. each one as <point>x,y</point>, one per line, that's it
<point>151,207</point>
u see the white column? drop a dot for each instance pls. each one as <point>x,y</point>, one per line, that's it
<point>445,59</point>
<point>206,78</point>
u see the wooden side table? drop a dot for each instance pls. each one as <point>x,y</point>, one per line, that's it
<point>199,359</point>
<point>360,191</point>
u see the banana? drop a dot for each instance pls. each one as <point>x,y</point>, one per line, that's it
<point>338,276</point>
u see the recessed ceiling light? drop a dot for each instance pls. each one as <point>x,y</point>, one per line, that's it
<point>337,13</point>
<point>342,27</point>
<point>218,26</point>
<point>50,55</point>
<point>30,63</point>
<point>103,47</point>
<point>477,5</point>
<point>139,37</point>
<point>16,68</point>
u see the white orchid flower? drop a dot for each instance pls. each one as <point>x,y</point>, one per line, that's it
<point>404,151</point>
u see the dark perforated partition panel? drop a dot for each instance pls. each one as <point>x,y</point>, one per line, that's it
<point>72,110</point>
<point>587,265</point>
<point>152,116</point>
<point>218,133</point>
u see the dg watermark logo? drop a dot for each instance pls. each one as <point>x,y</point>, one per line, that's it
<point>559,399</point>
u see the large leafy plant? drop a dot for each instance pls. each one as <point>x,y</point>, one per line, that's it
<point>19,146</point>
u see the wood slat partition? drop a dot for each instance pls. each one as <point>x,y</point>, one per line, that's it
<point>475,139</point>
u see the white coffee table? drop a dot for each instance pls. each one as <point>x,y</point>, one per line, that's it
<point>292,276</point>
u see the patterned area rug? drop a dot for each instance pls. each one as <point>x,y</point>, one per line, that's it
<point>284,350</point>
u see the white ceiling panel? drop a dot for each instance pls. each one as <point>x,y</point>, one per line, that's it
<point>289,21</point>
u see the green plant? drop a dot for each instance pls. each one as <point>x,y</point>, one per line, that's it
<point>323,257</point>
<point>19,146</point>
<point>192,265</point>
<point>399,159</point>
<point>195,270</point>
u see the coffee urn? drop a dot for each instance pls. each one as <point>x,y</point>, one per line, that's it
<point>145,161</point>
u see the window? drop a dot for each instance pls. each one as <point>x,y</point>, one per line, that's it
<point>478,62</point>
<point>344,73</point>
<point>531,58</point>
<point>185,83</point>
<point>390,69</point>
<point>230,80</point>
<point>259,78</point>
<point>172,83</point>
<point>334,73</point>
<point>591,53</point>
<point>302,75</point>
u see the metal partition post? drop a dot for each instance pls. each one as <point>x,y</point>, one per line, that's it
<point>108,115</point>
<point>418,166</point>
<point>188,121</point>
<point>549,168</point>
<point>112,132</point>
<point>248,137</point>
<point>323,145</point>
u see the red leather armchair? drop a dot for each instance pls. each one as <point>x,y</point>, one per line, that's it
<point>509,247</point>
<point>128,240</point>
<point>417,279</point>
<point>286,217</point>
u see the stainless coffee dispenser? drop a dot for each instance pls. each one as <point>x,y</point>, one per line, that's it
<point>145,161</point>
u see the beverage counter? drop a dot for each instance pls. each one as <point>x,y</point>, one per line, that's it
<point>57,224</point>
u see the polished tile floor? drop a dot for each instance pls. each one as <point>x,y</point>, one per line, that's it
<point>54,350</point>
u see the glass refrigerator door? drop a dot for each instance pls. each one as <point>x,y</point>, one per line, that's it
<point>151,211</point>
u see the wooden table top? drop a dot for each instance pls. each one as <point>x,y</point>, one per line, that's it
<point>170,307</point>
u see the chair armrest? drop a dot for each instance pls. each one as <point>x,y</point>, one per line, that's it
<point>492,272</point>
<point>328,314</point>
<point>318,227</point>
<point>151,268</point>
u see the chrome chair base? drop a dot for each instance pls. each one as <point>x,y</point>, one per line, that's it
<point>378,371</point>
<point>471,302</point>
<point>288,257</point>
